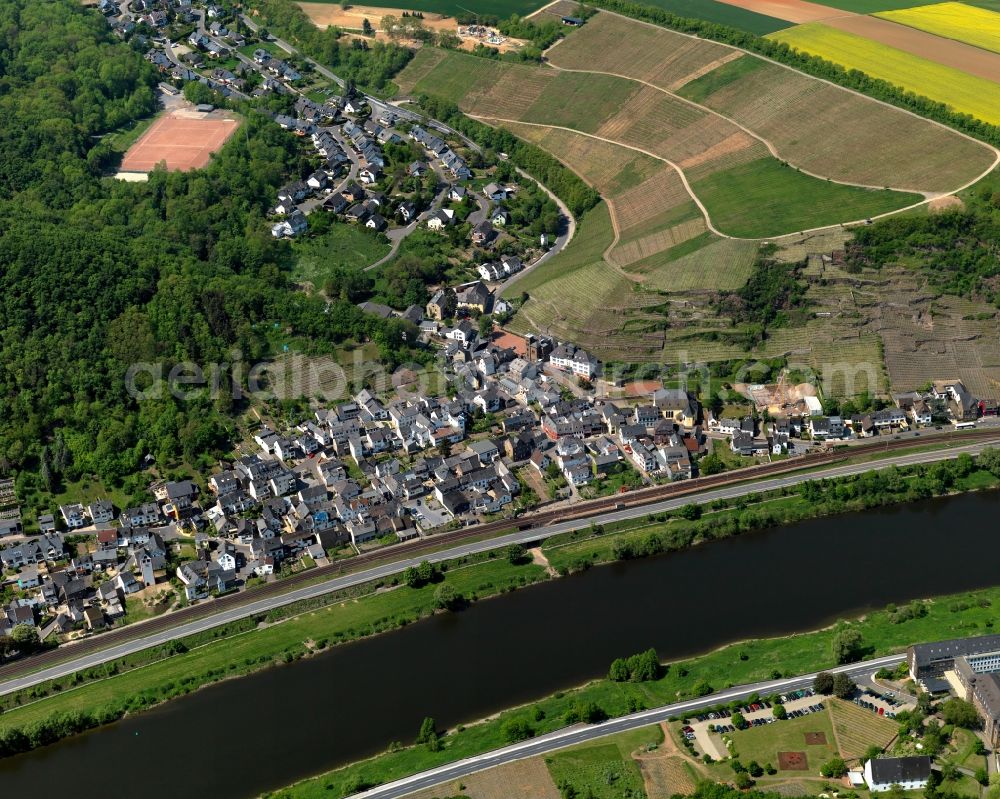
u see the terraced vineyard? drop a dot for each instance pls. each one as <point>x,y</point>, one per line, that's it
<point>737,174</point>
<point>639,282</point>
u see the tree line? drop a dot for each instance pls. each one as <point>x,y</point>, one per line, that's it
<point>578,196</point>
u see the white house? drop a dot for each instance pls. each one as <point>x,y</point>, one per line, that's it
<point>909,773</point>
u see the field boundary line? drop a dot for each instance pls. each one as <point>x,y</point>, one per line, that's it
<point>701,206</point>
<point>869,98</point>
<point>680,172</point>
<point>767,143</point>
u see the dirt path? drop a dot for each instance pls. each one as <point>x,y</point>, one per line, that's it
<point>869,98</point>
<point>766,142</point>
<point>539,559</point>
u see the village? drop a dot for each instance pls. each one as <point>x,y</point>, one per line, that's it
<point>525,423</point>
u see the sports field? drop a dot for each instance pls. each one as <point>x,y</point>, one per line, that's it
<point>976,26</point>
<point>964,93</point>
<point>183,140</point>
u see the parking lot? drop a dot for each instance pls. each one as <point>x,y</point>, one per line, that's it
<point>428,513</point>
<point>706,730</point>
<point>883,704</point>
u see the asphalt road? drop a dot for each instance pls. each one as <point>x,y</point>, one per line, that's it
<point>520,537</point>
<point>583,733</point>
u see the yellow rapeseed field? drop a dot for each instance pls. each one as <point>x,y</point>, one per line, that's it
<point>976,26</point>
<point>964,93</point>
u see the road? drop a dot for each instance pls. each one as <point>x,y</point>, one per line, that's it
<point>579,734</point>
<point>253,26</point>
<point>564,237</point>
<point>470,548</point>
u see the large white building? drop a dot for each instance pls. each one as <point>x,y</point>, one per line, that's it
<point>574,359</point>
<point>910,773</point>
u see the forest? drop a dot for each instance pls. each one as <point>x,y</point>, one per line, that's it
<point>97,274</point>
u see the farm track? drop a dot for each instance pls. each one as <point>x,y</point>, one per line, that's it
<point>869,98</point>
<point>697,201</point>
<point>766,142</point>
<point>584,509</point>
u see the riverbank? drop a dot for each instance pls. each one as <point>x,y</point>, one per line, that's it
<point>883,632</point>
<point>314,629</point>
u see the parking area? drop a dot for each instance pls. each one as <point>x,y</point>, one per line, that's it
<point>885,704</point>
<point>706,730</point>
<point>428,513</point>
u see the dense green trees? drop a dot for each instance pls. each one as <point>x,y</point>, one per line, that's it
<point>846,647</point>
<point>766,300</point>
<point>823,683</point>
<point>642,667</point>
<point>97,275</point>
<point>960,713</point>
<point>368,65</point>
<point>954,250</point>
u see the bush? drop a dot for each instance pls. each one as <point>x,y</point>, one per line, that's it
<point>515,730</point>
<point>834,768</point>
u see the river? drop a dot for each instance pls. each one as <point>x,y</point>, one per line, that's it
<point>245,736</point>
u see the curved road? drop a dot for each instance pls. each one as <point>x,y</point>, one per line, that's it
<point>579,734</point>
<point>520,537</point>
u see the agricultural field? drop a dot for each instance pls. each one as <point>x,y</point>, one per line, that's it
<point>963,92</point>
<point>722,13</point>
<point>786,199</point>
<point>814,125</point>
<point>609,43</point>
<point>714,153</point>
<point>875,6</point>
<point>650,209</point>
<point>965,23</point>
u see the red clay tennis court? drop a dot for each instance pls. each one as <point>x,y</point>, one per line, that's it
<point>181,139</point>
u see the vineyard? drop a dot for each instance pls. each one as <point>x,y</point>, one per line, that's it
<point>764,198</point>
<point>817,126</point>
<point>857,729</point>
<point>614,44</point>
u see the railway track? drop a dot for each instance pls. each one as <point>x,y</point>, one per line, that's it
<point>632,499</point>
